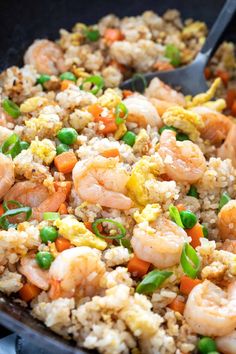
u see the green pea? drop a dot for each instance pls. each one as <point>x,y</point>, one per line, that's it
<point>24,145</point>
<point>92,34</point>
<point>129,138</point>
<point>62,148</point>
<point>168,127</point>
<point>193,192</point>
<point>188,219</point>
<point>42,79</point>
<point>67,136</point>
<point>48,233</point>
<point>68,76</point>
<point>206,345</point>
<point>182,137</point>
<point>44,259</point>
<point>205,231</point>
<point>173,53</point>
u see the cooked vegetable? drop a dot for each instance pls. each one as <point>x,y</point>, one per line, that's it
<point>62,244</point>
<point>92,35</point>
<point>44,259</point>
<point>97,82</point>
<point>177,305</point>
<point>11,146</point>
<point>111,153</point>
<point>152,281</point>
<point>195,233</point>
<point>193,192</point>
<point>5,224</point>
<point>112,35</point>
<point>108,121</point>
<point>182,137</point>
<point>67,136</point>
<point>42,79</point>
<point>65,162</point>
<point>190,261</point>
<point>187,284</point>
<point>206,345</point>
<point>170,127</point>
<point>63,209</point>
<point>188,219</point>
<point>68,76</point>
<point>173,53</point>
<point>117,225</point>
<point>137,267</point>
<point>129,138</point>
<point>11,108</point>
<point>24,145</point>
<point>51,216</point>
<point>28,292</point>
<point>62,148</point>
<point>175,215</point>
<point>48,233</point>
<point>224,199</point>
<point>121,113</point>
<point>205,231</point>
<point>65,84</point>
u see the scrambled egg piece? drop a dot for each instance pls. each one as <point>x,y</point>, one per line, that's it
<point>194,29</point>
<point>142,142</point>
<point>204,97</point>
<point>45,124</point>
<point>110,99</point>
<point>145,169</point>
<point>187,121</point>
<point>78,234</point>
<point>44,149</point>
<point>120,131</point>
<point>149,213</point>
<point>33,103</point>
<point>79,119</point>
<point>218,105</point>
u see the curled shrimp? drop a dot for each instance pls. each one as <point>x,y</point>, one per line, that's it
<point>227,344</point>
<point>161,244</point>
<point>227,221</point>
<point>142,111</point>
<point>184,161</point>
<point>46,57</point>
<point>102,181</point>
<point>161,105</point>
<point>158,89</point>
<point>7,175</point>
<point>216,125</point>
<point>35,275</point>
<point>37,197</point>
<point>211,311</point>
<point>228,149</point>
<point>76,272</point>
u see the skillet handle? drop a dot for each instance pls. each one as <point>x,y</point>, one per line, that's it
<point>217,30</point>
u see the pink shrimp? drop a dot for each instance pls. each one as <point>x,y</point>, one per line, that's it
<point>35,275</point>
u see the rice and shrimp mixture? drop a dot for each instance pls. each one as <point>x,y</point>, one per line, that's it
<point>118,209</point>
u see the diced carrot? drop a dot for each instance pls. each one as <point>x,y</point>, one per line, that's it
<point>65,84</point>
<point>127,93</point>
<point>2,211</point>
<point>195,233</point>
<point>62,244</point>
<point>187,284</point>
<point>55,289</point>
<point>110,127</point>
<point>233,108</point>
<point>207,73</point>
<point>64,185</point>
<point>112,35</point>
<point>29,291</point>
<point>111,153</point>
<point>162,66</point>
<point>137,267</point>
<point>224,75</point>
<point>63,209</point>
<point>65,162</point>
<point>89,226</point>
<point>180,207</point>
<point>108,121</point>
<point>230,97</point>
<point>95,110</point>
<point>177,305</point>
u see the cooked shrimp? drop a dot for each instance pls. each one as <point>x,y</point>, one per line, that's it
<point>227,344</point>
<point>7,175</point>
<point>216,125</point>
<point>102,181</point>
<point>37,197</point>
<point>35,275</point>
<point>184,161</point>
<point>161,244</point>
<point>227,221</point>
<point>142,111</point>
<point>46,57</point>
<point>157,89</point>
<point>161,105</point>
<point>228,149</point>
<point>211,311</point>
<point>76,272</point>
<point>229,246</point>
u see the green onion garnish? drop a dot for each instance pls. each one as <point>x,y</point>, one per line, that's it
<point>224,199</point>
<point>51,216</point>
<point>139,83</point>
<point>68,76</point>
<point>175,215</point>
<point>121,113</point>
<point>92,34</point>
<point>14,202</point>
<point>97,81</point>
<point>190,261</point>
<point>42,79</point>
<point>173,53</point>
<point>182,137</point>
<point>168,127</point>
<point>152,281</point>
<point>11,108</point>
<point>125,243</point>
<point>205,231</point>
<point>11,146</point>
<point>5,224</point>
<point>115,223</point>
<point>193,192</point>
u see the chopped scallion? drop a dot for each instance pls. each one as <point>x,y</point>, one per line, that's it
<point>152,281</point>
<point>11,108</point>
<point>97,82</point>
<point>5,224</point>
<point>121,113</point>
<point>175,215</point>
<point>190,261</point>
<point>11,146</point>
<point>118,225</point>
<point>224,199</point>
<point>51,216</point>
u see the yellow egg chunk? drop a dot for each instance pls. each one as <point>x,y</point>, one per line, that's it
<point>149,213</point>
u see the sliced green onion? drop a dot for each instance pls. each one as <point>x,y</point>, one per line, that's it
<point>115,223</point>
<point>224,199</point>
<point>51,216</point>
<point>190,261</point>
<point>121,113</point>
<point>11,108</point>
<point>97,81</point>
<point>152,281</point>
<point>139,82</point>
<point>92,34</point>
<point>188,218</point>
<point>205,231</point>
<point>14,202</point>
<point>193,192</point>
<point>11,146</point>
<point>182,137</point>
<point>175,215</point>
<point>168,127</point>
<point>42,79</point>
<point>24,145</point>
<point>173,53</point>
<point>125,243</point>
<point>68,76</point>
<point>5,224</point>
